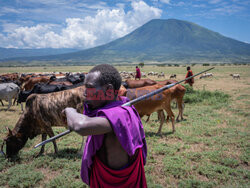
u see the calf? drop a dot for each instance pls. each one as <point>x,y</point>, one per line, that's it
<point>177,94</point>
<point>8,91</point>
<point>41,113</point>
<point>153,104</point>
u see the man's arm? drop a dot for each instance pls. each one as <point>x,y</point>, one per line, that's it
<point>85,125</point>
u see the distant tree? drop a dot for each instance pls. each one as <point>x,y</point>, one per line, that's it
<point>141,65</point>
<point>193,64</point>
<point>205,64</point>
<point>161,65</point>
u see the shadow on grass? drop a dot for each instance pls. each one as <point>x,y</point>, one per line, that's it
<point>153,134</point>
<point>68,153</point>
<point>5,109</point>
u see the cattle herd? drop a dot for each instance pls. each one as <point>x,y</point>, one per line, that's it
<point>46,95</point>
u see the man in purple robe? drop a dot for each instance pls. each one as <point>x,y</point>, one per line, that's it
<point>115,151</point>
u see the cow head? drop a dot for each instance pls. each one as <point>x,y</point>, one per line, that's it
<point>13,144</point>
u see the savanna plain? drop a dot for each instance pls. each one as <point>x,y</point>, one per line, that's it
<point>210,148</point>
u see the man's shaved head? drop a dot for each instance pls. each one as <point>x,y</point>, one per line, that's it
<point>108,75</point>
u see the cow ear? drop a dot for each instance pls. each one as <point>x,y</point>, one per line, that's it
<point>10,132</point>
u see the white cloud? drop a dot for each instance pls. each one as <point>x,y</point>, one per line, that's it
<point>165,1</point>
<point>90,31</point>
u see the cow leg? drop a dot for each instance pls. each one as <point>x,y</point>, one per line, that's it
<point>1,102</point>
<point>148,119</point>
<point>21,106</point>
<point>180,108</point>
<point>51,134</point>
<point>14,101</point>
<point>44,136</point>
<point>170,113</point>
<point>9,103</point>
<point>183,106</point>
<point>161,116</point>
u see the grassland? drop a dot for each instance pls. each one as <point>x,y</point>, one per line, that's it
<point>211,148</point>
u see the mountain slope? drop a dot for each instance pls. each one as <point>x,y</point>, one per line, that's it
<point>161,40</point>
<point>16,53</point>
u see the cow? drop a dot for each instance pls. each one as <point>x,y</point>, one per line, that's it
<point>34,80</point>
<point>166,82</point>
<point>25,77</point>
<point>10,76</point>
<point>8,91</point>
<point>153,104</point>
<point>42,112</point>
<point>235,76</point>
<point>67,80</point>
<point>42,88</point>
<point>138,83</point>
<point>76,78</point>
<point>66,83</point>
<point>39,88</point>
<point>177,94</point>
<point>161,75</point>
<point>172,76</point>
<point>205,75</point>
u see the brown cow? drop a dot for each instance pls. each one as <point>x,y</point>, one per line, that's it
<point>178,93</point>
<point>166,82</point>
<point>139,83</point>
<point>10,76</point>
<point>42,112</point>
<point>153,104</point>
<point>33,80</point>
<point>66,83</point>
<point>25,78</point>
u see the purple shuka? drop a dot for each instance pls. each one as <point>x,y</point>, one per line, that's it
<point>127,126</point>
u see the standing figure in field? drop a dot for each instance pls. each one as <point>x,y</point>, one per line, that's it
<point>138,73</point>
<point>189,73</point>
<point>115,151</point>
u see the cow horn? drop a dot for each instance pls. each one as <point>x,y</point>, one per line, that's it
<point>10,132</point>
<point>2,150</point>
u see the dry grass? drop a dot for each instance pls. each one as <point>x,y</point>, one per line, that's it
<point>209,149</point>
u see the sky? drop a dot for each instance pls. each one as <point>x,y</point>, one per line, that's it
<point>85,24</point>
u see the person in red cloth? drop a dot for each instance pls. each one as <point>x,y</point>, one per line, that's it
<point>115,151</point>
<point>189,73</point>
<point>138,73</point>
